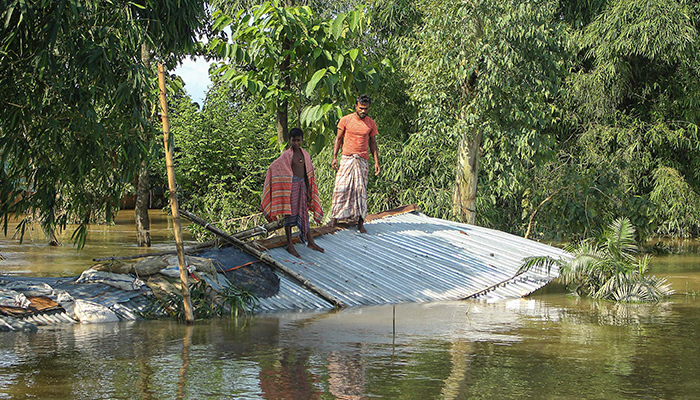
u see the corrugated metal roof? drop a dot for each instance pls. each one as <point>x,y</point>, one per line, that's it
<point>411,258</point>
<point>406,257</point>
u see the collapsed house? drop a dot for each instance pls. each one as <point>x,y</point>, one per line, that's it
<point>406,257</point>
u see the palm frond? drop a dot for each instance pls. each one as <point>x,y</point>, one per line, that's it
<point>607,268</point>
<point>619,239</point>
<point>643,264</point>
<point>585,261</point>
<point>633,287</point>
<point>542,264</point>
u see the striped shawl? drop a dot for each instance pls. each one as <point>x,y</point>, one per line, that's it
<point>277,190</point>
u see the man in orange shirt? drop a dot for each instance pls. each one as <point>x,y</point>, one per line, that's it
<point>357,133</point>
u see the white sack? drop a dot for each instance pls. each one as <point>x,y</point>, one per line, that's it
<point>88,312</point>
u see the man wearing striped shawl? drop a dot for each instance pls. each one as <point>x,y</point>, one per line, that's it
<point>290,191</point>
<point>356,133</point>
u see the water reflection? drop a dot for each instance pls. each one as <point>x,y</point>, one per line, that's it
<point>346,375</point>
<point>551,347</point>
<point>185,361</point>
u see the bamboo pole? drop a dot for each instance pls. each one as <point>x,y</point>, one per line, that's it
<point>259,230</point>
<point>177,229</point>
<point>265,258</point>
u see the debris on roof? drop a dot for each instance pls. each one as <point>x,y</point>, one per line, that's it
<point>406,256</point>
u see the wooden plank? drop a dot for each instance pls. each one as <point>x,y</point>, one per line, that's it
<point>395,211</point>
<point>265,258</point>
<point>37,305</point>
<point>281,240</point>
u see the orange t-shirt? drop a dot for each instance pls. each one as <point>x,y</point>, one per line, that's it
<point>357,132</point>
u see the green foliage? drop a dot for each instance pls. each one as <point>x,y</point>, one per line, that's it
<point>291,55</point>
<point>223,152</point>
<point>678,204</point>
<point>72,106</point>
<point>206,303</point>
<point>607,268</point>
<point>495,77</point>
<point>628,139</point>
<point>591,185</point>
<point>236,300</point>
<point>419,171</point>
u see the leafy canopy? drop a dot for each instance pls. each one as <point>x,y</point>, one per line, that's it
<point>628,138</point>
<point>321,69</point>
<point>71,101</point>
<point>223,154</point>
<point>497,77</point>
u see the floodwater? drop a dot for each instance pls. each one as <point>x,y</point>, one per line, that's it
<point>548,346</point>
<point>33,257</point>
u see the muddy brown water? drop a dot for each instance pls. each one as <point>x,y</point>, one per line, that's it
<point>547,346</point>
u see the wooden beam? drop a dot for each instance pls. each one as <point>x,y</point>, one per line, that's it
<point>281,240</point>
<point>263,257</point>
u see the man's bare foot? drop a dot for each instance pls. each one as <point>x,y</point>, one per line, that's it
<point>361,228</point>
<point>316,247</point>
<point>291,250</point>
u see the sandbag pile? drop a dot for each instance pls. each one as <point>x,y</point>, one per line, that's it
<point>161,274</point>
<point>26,303</point>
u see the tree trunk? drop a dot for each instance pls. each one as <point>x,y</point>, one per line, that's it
<point>464,198</point>
<point>143,223</point>
<point>283,106</point>
<point>282,125</point>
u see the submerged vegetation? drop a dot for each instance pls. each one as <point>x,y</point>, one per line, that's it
<point>607,268</point>
<point>206,303</point>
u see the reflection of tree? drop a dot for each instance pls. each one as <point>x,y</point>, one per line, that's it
<point>619,314</point>
<point>288,377</point>
<point>457,380</point>
<point>144,351</point>
<point>144,383</point>
<point>346,375</point>
<point>182,382</point>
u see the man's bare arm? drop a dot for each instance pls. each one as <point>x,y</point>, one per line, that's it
<point>336,147</point>
<point>375,153</point>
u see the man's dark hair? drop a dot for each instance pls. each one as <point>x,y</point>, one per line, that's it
<point>296,132</point>
<point>364,99</point>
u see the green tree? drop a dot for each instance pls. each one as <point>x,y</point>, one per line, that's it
<point>223,153</point>
<point>72,105</point>
<point>169,32</point>
<point>628,138</point>
<point>487,87</point>
<point>296,62</point>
